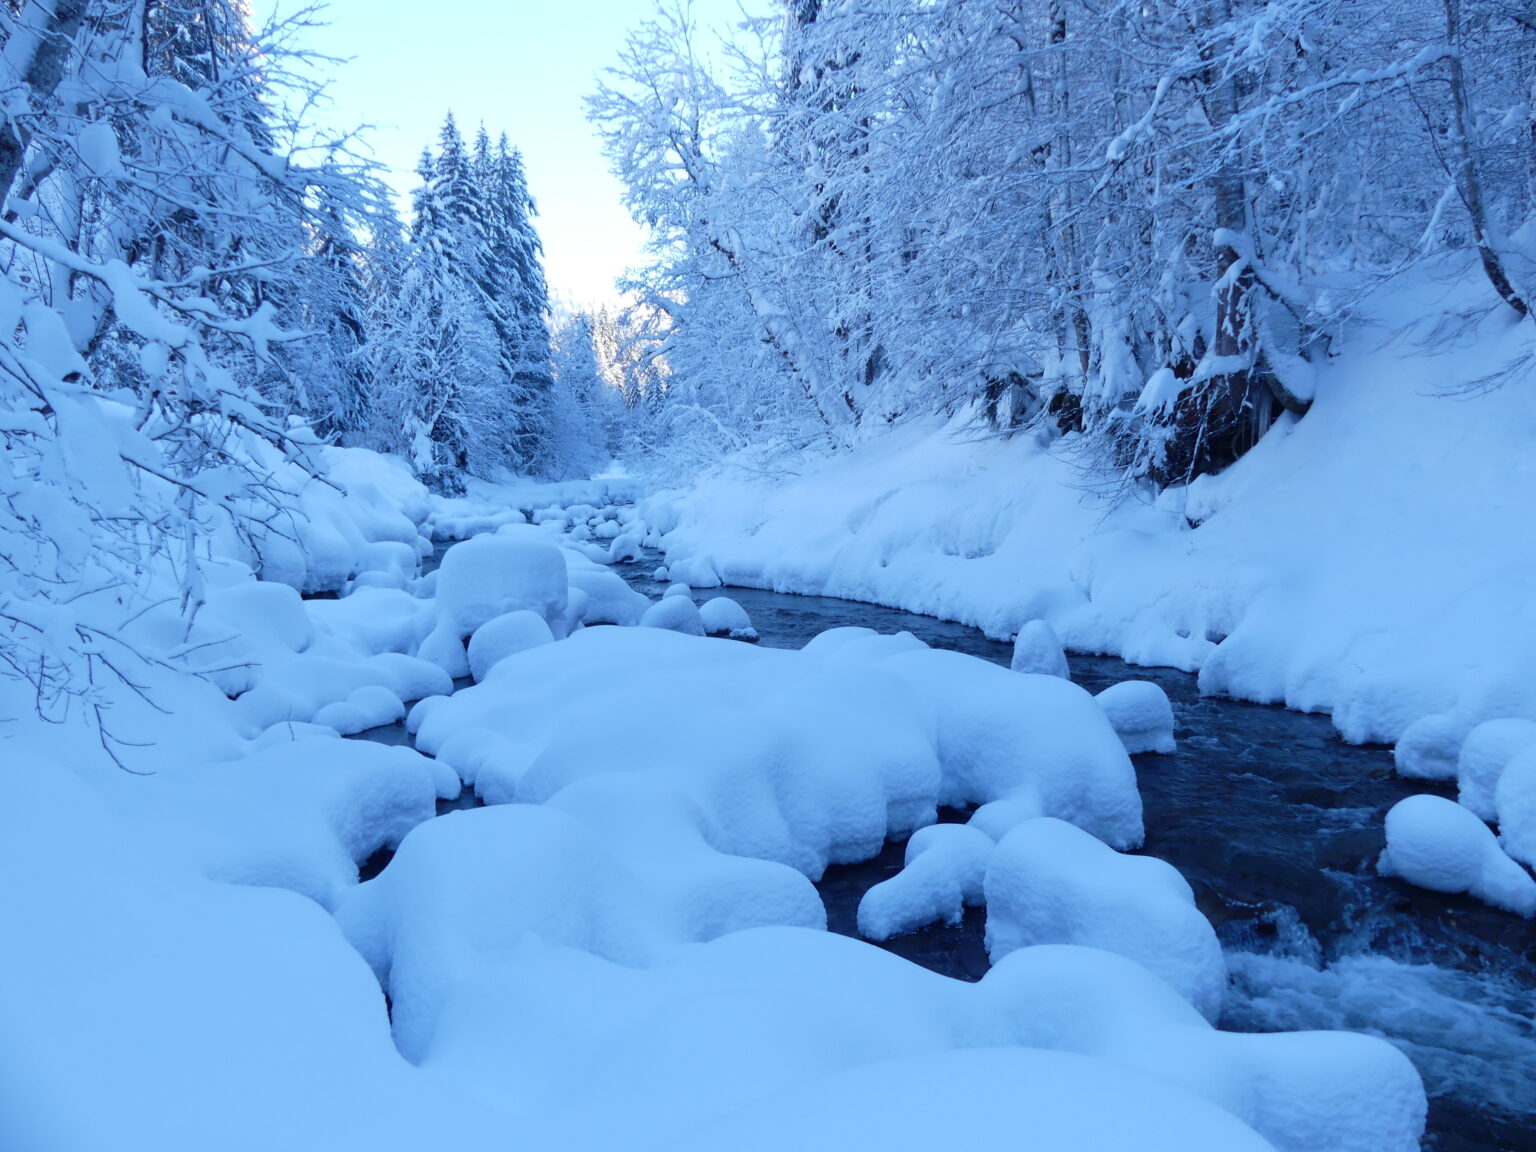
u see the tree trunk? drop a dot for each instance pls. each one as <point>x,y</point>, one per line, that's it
<point>1468,178</point>
<point>40,70</point>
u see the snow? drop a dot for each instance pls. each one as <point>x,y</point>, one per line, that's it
<point>1369,560</point>
<point>1141,716</point>
<point>503,636</point>
<point>722,616</point>
<point>1515,802</point>
<point>1051,883</point>
<point>942,875</point>
<point>627,940</point>
<point>991,1097</point>
<point>1437,844</point>
<point>151,1008</point>
<point>1036,649</point>
<point>674,613</point>
<point>492,575</point>
<point>1488,749</point>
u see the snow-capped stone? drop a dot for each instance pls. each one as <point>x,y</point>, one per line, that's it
<point>367,707</point>
<point>1488,749</point>
<point>722,616</point>
<point>1429,748</point>
<point>1051,883</point>
<point>1037,649</point>
<point>503,636</point>
<point>609,599</point>
<point>444,648</point>
<point>675,614</point>
<point>677,589</point>
<point>1515,802</point>
<point>944,871</point>
<point>516,568</point>
<point>1141,716</point>
<point>1437,844</point>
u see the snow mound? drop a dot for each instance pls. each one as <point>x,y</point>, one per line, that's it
<point>695,571</point>
<point>1051,883</point>
<point>1437,844</point>
<point>1430,747</point>
<point>677,589</point>
<point>620,874</point>
<point>1487,751</point>
<point>188,1014</point>
<point>674,614</point>
<point>1515,800</point>
<point>722,616</point>
<point>993,1098</point>
<point>572,1042</point>
<point>491,575</point>
<point>609,599</point>
<point>943,873</point>
<point>503,636</point>
<point>1037,649</point>
<point>370,706</point>
<point>1141,716</point>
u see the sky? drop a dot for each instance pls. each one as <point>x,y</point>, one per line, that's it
<point>521,66</point>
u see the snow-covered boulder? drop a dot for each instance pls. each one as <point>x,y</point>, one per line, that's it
<point>675,614</point>
<point>1437,844</point>
<point>1515,802</point>
<point>367,707</point>
<point>695,571</point>
<point>1488,749</point>
<point>677,589</point>
<point>504,635</point>
<point>943,873</point>
<point>625,547</point>
<point>722,616</point>
<point>444,649</point>
<point>620,873</point>
<point>1141,716</point>
<point>491,575</point>
<point>1036,649</point>
<point>1051,883</point>
<point>1001,817</point>
<point>1429,748</point>
<point>1038,739</point>
<point>609,599</point>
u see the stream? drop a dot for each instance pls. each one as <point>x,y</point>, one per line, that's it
<point>1276,823</point>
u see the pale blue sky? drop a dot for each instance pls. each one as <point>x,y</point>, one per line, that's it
<point>522,66</point>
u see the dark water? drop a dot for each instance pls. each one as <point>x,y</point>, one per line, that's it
<point>1276,823</point>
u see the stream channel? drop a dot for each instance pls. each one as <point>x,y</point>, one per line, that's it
<point>1276,823</point>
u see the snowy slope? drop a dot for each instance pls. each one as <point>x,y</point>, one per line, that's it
<point>1372,559</point>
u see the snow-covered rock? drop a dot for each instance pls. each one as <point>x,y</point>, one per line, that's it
<point>1051,883</point>
<point>367,707</point>
<point>503,636</point>
<point>609,599</point>
<point>674,614</point>
<point>1037,649</point>
<point>1430,747</point>
<point>1515,804</point>
<point>677,589</point>
<point>1487,750</point>
<point>943,873</point>
<point>491,575</point>
<point>722,616</point>
<point>1437,844</point>
<point>697,571</point>
<point>1141,716</point>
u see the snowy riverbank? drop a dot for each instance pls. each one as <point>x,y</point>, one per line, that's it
<point>1372,559</point>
